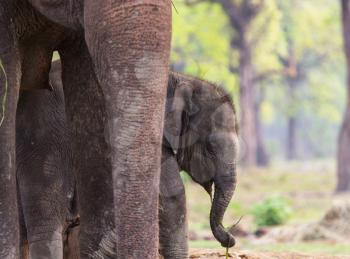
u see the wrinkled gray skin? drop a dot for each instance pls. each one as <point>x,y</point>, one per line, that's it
<point>205,147</point>
<point>45,180</point>
<point>200,137</point>
<point>114,69</point>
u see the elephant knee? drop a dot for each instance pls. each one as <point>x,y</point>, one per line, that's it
<point>46,249</point>
<point>44,233</point>
<point>173,206</point>
<point>45,242</point>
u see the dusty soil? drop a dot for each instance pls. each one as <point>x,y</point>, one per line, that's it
<point>220,254</point>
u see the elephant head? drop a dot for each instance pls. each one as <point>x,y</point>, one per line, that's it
<point>201,128</point>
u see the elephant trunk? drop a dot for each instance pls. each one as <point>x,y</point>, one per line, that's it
<point>225,184</point>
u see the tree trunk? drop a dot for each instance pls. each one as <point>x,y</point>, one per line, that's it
<point>343,156</point>
<point>9,88</point>
<point>291,144</point>
<point>247,101</point>
<point>241,14</point>
<point>291,137</point>
<point>262,157</point>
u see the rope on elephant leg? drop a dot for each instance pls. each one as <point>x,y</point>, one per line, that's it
<point>4,98</point>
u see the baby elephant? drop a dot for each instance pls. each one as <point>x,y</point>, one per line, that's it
<point>46,193</point>
<point>200,137</point>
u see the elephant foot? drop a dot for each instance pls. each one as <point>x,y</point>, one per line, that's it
<point>174,253</point>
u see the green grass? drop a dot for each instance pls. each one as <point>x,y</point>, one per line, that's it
<point>307,186</point>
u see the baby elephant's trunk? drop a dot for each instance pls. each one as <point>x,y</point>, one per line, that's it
<point>225,183</point>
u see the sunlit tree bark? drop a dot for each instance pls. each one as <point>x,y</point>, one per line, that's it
<point>343,155</point>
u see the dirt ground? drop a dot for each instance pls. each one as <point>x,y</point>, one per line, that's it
<point>220,254</point>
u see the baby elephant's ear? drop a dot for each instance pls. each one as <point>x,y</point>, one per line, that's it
<point>191,107</point>
<point>178,105</point>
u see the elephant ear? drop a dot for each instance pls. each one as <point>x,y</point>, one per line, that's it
<point>179,107</point>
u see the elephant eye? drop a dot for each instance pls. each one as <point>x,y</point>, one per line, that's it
<point>210,147</point>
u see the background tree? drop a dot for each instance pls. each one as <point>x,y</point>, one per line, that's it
<point>291,42</point>
<point>244,17</point>
<point>297,74</point>
<point>344,136</point>
<point>305,51</point>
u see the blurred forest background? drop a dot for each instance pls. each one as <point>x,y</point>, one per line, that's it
<point>284,63</point>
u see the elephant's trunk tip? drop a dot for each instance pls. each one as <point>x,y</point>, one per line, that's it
<point>222,235</point>
<point>225,238</point>
<point>231,241</point>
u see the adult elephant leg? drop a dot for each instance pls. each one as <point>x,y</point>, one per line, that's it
<point>9,87</point>
<point>23,244</point>
<point>129,42</point>
<point>172,210</point>
<point>86,116</point>
<point>47,249</point>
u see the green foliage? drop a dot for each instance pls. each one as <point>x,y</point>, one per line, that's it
<point>200,44</point>
<point>307,187</point>
<point>274,210</point>
<point>313,34</point>
<point>267,36</point>
<point>201,47</point>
